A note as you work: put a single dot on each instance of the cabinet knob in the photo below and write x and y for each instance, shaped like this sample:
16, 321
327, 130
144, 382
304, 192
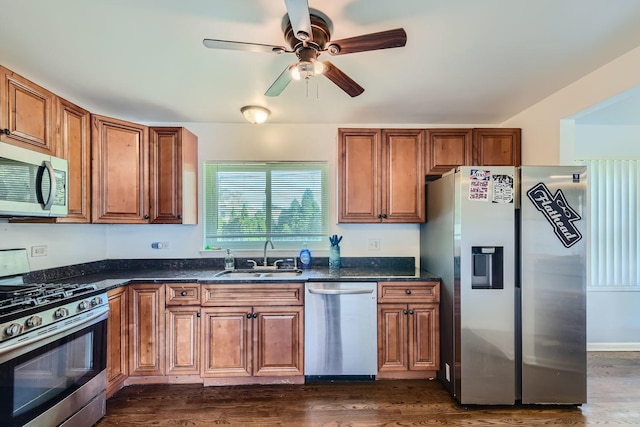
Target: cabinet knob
5, 131
255, 315
405, 311
379, 216
179, 216
408, 291
384, 215
410, 311
198, 314
248, 315
183, 293
146, 216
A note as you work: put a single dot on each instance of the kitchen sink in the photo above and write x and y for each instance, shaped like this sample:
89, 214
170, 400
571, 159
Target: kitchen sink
257, 274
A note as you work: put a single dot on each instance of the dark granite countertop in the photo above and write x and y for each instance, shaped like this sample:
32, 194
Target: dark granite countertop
114, 279
110, 274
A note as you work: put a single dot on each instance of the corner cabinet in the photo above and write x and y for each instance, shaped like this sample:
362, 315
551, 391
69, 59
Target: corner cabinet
252, 334
27, 113
120, 171
408, 330
381, 176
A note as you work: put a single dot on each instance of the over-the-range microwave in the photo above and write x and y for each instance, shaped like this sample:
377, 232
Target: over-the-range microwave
32, 183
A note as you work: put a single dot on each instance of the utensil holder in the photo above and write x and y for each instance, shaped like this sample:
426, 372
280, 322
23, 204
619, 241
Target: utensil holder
334, 257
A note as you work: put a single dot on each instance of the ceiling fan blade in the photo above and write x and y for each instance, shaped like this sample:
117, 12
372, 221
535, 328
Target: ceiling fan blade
374, 41
343, 81
252, 47
281, 82
298, 11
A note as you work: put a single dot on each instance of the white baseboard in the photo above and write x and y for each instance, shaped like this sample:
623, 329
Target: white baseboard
613, 346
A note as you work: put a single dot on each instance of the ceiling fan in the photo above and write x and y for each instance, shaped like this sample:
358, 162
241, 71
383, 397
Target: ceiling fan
308, 34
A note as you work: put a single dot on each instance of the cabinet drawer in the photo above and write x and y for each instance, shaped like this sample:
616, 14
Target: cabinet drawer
408, 291
182, 294
230, 295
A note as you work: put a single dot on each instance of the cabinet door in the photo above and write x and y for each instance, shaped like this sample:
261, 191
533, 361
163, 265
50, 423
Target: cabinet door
173, 158
424, 347
226, 345
447, 149
403, 176
120, 171
392, 337
117, 340
359, 175
146, 333
278, 341
183, 340
496, 147
27, 113
74, 145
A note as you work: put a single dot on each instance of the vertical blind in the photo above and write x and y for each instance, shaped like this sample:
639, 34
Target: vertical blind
280, 201
614, 246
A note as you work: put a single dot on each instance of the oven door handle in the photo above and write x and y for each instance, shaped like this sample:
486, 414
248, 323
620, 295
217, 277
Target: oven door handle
45, 336
322, 291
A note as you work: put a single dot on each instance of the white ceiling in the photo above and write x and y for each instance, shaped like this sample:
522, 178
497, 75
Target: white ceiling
465, 62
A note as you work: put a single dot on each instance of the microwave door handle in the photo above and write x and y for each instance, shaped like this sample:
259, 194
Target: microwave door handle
52, 186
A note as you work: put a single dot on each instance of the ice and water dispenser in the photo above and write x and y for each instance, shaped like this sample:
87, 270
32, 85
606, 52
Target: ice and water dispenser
488, 267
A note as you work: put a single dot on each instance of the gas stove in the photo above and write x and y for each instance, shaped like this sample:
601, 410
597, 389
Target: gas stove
29, 307
30, 310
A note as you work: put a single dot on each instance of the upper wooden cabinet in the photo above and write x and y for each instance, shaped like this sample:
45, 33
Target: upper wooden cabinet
449, 148
173, 183
381, 175
120, 171
496, 147
27, 113
74, 145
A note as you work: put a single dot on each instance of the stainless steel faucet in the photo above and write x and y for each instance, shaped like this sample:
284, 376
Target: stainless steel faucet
265, 251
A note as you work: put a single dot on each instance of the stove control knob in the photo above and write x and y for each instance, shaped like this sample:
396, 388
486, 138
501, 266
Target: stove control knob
96, 301
33, 321
13, 330
83, 305
60, 313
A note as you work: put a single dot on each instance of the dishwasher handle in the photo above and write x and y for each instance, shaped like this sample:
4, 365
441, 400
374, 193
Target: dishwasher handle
323, 291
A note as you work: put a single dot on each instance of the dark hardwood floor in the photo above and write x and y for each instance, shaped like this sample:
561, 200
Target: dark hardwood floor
613, 399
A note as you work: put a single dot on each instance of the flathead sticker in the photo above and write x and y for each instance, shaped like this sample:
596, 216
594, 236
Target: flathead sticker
557, 211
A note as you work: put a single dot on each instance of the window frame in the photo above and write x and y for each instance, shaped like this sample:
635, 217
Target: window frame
210, 240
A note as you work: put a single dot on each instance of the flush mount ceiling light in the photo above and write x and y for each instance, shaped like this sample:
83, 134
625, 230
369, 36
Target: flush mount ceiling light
255, 114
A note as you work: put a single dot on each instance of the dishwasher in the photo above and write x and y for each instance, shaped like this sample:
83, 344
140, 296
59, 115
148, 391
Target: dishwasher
340, 331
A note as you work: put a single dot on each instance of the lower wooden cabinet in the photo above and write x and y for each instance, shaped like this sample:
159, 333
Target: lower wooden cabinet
408, 331
117, 340
146, 333
182, 340
251, 344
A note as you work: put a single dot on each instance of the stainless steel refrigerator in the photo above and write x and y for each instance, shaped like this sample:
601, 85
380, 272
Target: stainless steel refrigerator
509, 245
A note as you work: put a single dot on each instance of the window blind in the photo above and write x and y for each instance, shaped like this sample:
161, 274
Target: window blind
614, 245
250, 202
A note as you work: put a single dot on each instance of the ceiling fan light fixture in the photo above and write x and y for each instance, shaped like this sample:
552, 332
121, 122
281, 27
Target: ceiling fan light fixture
255, 114
306, 69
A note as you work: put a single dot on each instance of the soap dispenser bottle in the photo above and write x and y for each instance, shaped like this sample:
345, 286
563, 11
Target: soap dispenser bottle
229, 261
305, 257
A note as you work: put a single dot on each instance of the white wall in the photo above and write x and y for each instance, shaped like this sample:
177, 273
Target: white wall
612, 319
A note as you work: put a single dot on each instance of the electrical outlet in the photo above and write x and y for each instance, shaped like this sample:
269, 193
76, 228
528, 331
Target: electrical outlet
160, 245
39, 250
374, 245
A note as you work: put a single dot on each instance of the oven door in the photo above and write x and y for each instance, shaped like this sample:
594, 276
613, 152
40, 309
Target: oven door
47, 381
